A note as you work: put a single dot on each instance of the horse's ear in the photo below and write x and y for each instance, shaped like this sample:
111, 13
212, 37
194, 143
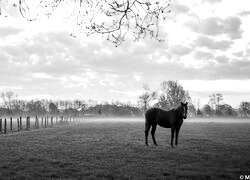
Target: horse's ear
186, 103
182, 103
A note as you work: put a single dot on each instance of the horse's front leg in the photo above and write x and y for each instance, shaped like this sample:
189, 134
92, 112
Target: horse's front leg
172, 136
176, 135
153, 133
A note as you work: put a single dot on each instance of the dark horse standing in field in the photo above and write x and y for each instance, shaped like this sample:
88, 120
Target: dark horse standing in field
168, 119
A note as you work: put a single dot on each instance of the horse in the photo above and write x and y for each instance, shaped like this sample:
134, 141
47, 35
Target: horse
168, 119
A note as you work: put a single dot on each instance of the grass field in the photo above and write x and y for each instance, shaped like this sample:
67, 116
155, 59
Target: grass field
116, 150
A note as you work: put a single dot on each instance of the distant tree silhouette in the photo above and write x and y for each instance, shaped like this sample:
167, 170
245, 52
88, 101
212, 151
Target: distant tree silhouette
207, 110
199, 113
146, 97
226, 110
19, 106
118, 109
215, 100
9, 99
191, 110
70, 112
244, 109
172, 94
80, 105
100, 111
53, 108
36, 107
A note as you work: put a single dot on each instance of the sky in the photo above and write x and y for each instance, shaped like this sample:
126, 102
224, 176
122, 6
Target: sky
206, 48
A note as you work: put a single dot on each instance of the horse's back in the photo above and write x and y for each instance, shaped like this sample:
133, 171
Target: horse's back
161, 117
166, 118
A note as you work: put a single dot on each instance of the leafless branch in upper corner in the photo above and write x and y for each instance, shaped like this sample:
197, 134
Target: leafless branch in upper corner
114, 18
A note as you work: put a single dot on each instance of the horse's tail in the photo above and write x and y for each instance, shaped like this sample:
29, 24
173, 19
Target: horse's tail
150, 119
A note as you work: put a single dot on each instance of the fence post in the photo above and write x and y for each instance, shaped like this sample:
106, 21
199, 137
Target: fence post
51, 121
42, 123
11, 124
37, 122
5, 126
27, 122
45, 122
21, 123
0, 125
18, 124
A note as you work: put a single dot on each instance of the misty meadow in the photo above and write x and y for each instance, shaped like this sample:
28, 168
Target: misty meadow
124, 89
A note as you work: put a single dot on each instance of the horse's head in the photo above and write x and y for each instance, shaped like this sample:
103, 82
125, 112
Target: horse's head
183, 109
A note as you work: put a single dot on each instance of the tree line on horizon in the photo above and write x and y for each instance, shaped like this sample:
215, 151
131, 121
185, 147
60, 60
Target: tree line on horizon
169, 95
12, 106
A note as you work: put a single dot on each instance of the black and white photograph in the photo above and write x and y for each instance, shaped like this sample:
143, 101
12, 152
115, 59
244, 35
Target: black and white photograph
124, 89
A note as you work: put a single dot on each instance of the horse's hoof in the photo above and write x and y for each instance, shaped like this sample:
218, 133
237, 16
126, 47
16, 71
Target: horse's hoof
146, 144
156, 144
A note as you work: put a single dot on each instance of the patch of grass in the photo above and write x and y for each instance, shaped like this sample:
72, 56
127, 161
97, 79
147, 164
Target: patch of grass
116, 150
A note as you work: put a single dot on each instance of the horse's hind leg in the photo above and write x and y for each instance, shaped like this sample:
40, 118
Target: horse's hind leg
153, 133
147, 128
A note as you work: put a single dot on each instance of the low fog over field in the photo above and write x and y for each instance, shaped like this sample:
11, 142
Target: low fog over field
116, 150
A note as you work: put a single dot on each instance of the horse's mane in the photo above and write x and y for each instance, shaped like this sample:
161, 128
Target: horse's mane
178, 108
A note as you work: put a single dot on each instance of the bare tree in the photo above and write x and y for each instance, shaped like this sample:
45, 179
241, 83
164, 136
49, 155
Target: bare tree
212, 101
80, 105
53, 109
36, 107
172, 94
146, 97
244, 109
9, 99
215, 100
115, 18
207, 110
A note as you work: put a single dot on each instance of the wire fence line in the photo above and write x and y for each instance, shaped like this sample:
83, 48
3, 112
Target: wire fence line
24, 123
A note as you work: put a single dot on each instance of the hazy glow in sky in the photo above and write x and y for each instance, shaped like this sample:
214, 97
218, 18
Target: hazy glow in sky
206, 48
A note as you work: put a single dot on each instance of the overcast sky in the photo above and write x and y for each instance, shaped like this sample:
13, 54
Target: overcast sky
206, 48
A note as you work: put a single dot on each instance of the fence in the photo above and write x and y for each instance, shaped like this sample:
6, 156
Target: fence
19, 123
